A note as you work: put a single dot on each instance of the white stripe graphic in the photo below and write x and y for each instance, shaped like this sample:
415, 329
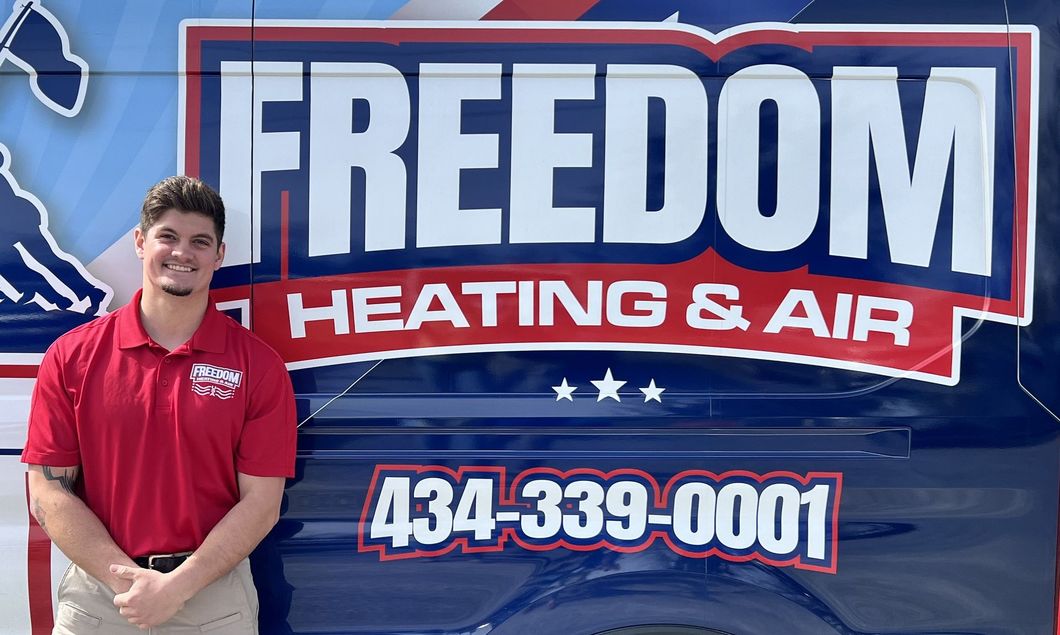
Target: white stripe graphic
14, 527
445, 9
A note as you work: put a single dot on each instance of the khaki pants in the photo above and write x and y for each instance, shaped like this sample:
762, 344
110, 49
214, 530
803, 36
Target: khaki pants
229, 606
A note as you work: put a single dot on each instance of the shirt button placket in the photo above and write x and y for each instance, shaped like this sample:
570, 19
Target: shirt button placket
164, 397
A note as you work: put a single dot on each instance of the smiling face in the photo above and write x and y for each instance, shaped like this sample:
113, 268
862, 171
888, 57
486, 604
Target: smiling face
180, 252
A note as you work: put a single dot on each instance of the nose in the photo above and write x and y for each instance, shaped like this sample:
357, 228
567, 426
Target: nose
180, 250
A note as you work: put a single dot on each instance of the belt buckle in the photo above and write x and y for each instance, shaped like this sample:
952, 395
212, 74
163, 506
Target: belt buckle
165, 556
151, 559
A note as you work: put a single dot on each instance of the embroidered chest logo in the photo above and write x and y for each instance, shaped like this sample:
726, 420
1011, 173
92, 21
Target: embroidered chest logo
215, 380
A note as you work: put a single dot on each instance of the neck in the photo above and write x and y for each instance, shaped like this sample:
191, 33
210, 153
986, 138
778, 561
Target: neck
171, 320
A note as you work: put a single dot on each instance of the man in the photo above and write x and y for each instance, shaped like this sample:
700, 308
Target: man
160, 437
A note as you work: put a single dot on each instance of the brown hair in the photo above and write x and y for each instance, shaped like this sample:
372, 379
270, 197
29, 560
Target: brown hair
185, 194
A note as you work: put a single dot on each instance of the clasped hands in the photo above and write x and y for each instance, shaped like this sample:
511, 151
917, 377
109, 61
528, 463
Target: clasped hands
151, 598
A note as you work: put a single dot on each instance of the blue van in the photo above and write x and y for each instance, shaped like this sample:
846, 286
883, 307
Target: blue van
603, 317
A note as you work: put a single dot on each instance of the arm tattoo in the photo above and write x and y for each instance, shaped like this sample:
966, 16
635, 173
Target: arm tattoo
65, 477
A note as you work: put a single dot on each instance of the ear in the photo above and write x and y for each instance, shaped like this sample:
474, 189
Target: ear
138, 242
220, 257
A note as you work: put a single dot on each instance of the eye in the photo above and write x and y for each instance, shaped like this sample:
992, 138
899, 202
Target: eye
202, 242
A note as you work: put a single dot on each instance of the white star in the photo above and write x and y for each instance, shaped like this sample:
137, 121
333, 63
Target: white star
563, 391
608, 387
651, 392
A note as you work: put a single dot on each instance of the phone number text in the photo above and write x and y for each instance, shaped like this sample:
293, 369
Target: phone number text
781, 518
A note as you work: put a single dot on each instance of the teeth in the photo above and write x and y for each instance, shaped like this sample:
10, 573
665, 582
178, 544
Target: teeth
180, 268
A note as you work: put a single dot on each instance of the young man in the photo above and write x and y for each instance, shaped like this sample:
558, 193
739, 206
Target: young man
160, 437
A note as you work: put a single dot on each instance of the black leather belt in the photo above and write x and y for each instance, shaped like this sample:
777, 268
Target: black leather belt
163, 563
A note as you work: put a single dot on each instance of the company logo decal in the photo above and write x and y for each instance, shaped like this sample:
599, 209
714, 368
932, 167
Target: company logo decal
780, 518
208, 380
837, 195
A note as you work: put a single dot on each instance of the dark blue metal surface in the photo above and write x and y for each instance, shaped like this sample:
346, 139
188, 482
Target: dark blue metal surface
948, 519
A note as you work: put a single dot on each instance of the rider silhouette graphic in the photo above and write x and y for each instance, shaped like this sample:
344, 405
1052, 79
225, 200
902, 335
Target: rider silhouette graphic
42, 287
34, 40
32, 267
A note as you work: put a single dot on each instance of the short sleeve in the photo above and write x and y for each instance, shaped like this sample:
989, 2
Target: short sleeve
267, 444
52, 438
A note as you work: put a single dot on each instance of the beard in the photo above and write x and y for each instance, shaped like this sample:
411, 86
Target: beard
173, 289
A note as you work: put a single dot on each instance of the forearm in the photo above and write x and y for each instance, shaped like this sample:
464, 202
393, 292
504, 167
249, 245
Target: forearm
227, 544
77, 531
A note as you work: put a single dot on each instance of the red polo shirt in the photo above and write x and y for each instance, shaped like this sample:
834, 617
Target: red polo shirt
159, 434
